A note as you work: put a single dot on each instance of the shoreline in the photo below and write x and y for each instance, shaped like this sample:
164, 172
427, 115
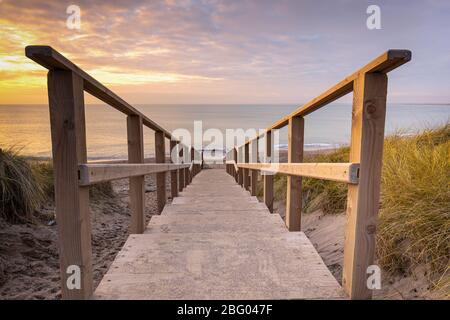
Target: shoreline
151, 159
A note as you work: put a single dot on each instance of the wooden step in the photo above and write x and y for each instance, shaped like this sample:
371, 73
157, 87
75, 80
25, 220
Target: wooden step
197, 223
219, 266
215, 241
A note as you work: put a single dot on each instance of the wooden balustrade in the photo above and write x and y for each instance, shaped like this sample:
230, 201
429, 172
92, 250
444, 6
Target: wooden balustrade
73, 174
362, 173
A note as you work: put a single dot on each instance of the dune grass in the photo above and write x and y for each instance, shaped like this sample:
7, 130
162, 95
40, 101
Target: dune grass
27, 184
414, 218
21, 191
415, 204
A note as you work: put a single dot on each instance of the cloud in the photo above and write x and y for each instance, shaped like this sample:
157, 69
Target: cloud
237, 49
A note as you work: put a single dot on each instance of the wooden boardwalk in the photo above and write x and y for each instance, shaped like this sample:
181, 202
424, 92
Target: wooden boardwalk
215, 241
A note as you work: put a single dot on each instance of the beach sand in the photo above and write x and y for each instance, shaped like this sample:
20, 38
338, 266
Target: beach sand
326, 232
29, 266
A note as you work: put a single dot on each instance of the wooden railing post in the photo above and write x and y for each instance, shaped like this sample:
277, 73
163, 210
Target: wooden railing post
241, 171
136, 184
68, 132
268, 178
195, 166
181, 171
160, 157
186, 170
202, 159
254, 173
173, 173
366, 148
246, 173
294, 183
235, 158
192, 172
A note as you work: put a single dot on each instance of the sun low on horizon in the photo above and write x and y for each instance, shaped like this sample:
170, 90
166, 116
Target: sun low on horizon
222, 51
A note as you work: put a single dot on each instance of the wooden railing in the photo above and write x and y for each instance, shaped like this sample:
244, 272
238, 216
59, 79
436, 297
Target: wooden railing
74, 175
362, 173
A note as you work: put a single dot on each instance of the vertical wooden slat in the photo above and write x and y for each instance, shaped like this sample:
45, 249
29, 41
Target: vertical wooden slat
366, 148
137, 184
173, 173
68, 132
268, 178
160, 157
246, 173
254, 173
294, 183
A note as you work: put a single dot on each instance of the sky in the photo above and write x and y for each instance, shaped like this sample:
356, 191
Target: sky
226, 51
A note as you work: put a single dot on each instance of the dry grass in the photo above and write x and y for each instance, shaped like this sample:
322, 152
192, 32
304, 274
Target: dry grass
21, 191
27, 184
414, 224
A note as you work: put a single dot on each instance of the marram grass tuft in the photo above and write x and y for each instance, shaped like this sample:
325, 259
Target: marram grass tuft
20, 190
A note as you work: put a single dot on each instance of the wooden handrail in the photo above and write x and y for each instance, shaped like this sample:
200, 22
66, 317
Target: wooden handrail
384, 63
73, 174
362, 173
341, 172
51, 59
90, 174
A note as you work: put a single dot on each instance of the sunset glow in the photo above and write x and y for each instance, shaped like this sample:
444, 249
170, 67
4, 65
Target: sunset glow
222, 51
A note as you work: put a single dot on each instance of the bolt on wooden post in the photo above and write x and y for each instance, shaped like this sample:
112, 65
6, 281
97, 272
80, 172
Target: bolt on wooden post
366, 148
68, 133
294, 183
160, 157
137, 184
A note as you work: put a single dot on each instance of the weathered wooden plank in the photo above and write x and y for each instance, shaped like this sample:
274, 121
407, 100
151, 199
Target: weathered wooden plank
341, 172
160, 157
294, 183
94, 173
68, 133
367, 136
137, 188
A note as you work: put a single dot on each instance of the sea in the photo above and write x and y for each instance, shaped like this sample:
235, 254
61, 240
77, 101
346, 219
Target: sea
26, 128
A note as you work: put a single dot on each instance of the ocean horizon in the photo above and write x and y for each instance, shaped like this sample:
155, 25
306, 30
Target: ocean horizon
326, 128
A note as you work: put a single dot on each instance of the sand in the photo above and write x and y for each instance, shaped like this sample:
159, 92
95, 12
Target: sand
326, 232
29, 266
